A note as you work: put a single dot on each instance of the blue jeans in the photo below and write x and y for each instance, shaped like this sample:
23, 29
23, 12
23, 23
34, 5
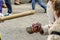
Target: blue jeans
40, 3
8, 3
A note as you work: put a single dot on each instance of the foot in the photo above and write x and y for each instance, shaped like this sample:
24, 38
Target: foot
17, 3
7, 14
4, 6
36, 27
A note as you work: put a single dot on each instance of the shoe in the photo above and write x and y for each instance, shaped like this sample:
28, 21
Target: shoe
1, 15
36, 27
7, 14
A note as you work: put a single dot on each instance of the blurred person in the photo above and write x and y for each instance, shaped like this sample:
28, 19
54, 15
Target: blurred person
40, 2
37, 27
9, 7
1, 3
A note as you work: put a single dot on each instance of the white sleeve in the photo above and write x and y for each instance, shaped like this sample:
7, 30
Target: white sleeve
46, 28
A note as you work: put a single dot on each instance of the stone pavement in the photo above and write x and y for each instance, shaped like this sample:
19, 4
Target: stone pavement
15, 29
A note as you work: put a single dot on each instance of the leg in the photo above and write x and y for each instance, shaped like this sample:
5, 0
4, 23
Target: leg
33, 4
8, 3
42, 4
1, 2
4, 5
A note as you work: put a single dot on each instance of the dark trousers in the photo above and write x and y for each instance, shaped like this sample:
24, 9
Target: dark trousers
8, 3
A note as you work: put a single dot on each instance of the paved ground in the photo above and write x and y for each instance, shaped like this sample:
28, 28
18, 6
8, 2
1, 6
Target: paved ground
26, 1
15, 29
